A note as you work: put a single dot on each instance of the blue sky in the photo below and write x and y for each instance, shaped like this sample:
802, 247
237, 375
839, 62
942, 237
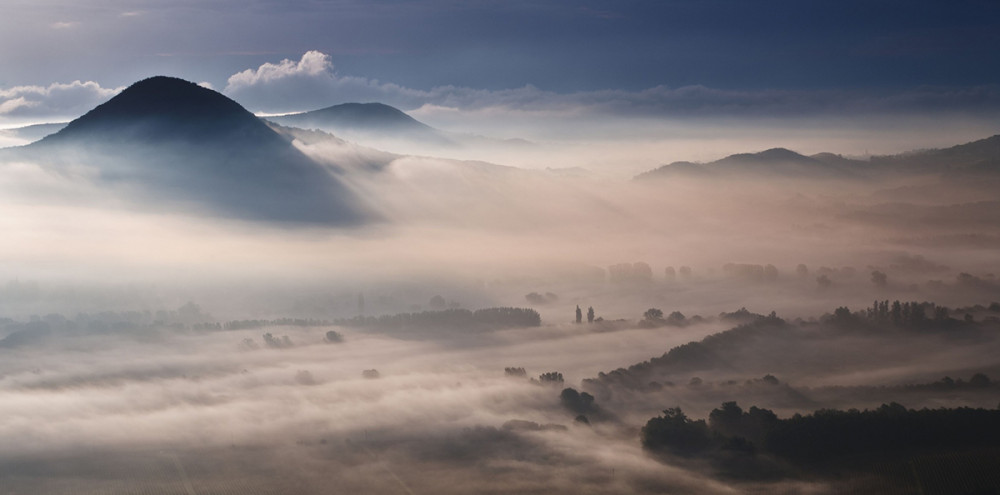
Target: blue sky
858, 49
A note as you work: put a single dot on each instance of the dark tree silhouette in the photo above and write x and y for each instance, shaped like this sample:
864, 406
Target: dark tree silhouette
674, 432
653, 314
437, 302
579, 314
580, 403
590, 314
880, 279
551, 377
802, 271
515, 372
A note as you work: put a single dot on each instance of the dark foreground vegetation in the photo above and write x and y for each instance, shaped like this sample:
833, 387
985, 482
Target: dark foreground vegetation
755, 444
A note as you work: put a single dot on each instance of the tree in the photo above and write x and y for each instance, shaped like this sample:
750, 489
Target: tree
334, 337
676, 318
802, 271
675, 433
437, 302
880, 279
979, 380
551, 377
590, 314
517, 372
770, 273
579, 314
653, 314
578, 402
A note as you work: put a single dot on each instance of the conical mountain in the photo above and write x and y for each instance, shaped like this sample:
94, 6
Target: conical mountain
186, 144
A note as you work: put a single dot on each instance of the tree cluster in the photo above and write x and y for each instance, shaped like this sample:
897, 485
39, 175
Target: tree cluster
751, 272
625, 273
824, 435
449, 319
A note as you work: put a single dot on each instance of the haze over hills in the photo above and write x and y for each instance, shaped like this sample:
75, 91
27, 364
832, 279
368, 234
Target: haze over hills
981, 156
185, 144
361, 116
336, 321
376, 119
34, 132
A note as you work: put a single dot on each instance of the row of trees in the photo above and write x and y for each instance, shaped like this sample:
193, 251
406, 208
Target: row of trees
449, 319
901, 314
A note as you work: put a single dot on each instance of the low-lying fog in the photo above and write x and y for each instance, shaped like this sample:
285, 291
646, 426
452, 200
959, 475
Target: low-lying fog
206, 409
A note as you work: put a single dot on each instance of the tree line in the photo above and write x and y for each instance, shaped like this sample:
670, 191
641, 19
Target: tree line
824, 435
449, 319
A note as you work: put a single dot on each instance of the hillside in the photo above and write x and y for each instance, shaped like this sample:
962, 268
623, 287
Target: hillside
186, 145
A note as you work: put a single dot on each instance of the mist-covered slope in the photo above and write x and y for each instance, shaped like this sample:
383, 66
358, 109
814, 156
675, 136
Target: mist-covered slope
175, 142
376, 119
34, 132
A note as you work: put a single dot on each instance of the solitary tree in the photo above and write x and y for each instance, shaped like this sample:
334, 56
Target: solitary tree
653, 314
579, 314
590, 314
880, 279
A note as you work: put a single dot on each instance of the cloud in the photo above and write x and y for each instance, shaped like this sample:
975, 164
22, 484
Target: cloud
56, 100
309, 83
312, 82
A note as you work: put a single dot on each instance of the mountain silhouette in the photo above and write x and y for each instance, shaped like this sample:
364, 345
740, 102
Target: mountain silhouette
775, 162
184, 144
974, 159
376, 119
367, 116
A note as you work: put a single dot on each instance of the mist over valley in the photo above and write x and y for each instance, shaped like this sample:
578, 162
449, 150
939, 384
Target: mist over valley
197, 299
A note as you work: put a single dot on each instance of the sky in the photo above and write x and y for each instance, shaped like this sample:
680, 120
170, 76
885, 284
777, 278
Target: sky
675, 58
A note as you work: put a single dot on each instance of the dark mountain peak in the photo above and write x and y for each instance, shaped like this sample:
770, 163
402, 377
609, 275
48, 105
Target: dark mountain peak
366, 117
168, 97
370, 113
171, 140
164, 108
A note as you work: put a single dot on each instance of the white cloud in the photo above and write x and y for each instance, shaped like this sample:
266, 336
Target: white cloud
313, 63
312, 82
56, 100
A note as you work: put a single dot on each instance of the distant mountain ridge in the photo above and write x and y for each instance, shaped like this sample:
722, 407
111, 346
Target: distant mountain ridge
981, 156
185, 144
368, 118
365, 116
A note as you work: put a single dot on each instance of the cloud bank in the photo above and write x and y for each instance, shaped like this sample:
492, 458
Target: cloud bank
313, 82
57, 100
